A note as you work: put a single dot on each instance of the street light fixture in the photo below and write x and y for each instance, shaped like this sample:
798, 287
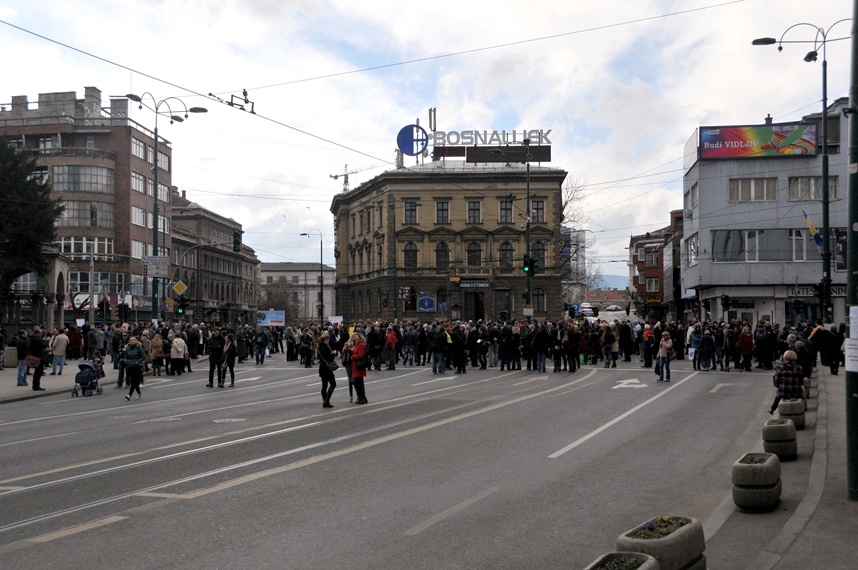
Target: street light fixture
173, 118
812, 56
321, 276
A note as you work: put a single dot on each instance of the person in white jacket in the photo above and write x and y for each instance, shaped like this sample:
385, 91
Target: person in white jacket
178, 354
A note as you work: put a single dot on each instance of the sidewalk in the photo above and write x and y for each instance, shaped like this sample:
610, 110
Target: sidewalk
63, 384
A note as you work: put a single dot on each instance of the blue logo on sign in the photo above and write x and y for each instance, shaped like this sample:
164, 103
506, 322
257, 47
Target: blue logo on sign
412, 140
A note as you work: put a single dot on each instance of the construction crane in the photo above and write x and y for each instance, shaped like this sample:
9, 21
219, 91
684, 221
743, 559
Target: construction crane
346, 172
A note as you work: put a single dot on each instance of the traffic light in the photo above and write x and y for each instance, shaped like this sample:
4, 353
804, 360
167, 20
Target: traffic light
528, 264
707, 304
817, 290
182, 306
725, 302
236, 242
798, 307
104, 309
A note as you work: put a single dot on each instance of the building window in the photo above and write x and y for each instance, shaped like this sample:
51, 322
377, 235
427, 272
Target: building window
810, 188
692, 249
150, 155
641, 254
538, 300
652, 259
441, 299
137, 284
474, 212
442, 256
411, 300
354, 228
652, 285
410, 256
163, 162
692, 197
74, 178
79, 247
138, 249
163, 192
107, 282
538, 211
442, 212
294, 280
138, 216
537, 252
49, 145
410, 212
753, 189
138, 182
505, 212
138, 149
87, 214
506, 255
150, 187
475, 254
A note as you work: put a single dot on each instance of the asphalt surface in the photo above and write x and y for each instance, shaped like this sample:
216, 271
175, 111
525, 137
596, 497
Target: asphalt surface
811, 528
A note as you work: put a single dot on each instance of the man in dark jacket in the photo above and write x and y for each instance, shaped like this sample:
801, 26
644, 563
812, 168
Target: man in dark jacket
215, 350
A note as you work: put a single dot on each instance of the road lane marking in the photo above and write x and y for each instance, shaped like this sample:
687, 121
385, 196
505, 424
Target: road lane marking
76, 529
719, 386
618, 419
39, 438
630, 383
450, 512
374, 442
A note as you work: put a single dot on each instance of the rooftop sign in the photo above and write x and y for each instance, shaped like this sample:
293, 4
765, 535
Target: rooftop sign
758, 141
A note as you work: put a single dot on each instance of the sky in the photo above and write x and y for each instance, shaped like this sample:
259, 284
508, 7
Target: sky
622, 85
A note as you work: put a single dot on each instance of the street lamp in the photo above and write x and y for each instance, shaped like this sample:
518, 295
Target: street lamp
173, 118
528, 215
812, 56
321, 276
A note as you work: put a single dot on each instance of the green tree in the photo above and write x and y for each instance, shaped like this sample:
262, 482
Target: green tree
29, 216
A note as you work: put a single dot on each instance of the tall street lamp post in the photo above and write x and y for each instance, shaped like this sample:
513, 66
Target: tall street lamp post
812, 56
528, 214
155, 222
321, 276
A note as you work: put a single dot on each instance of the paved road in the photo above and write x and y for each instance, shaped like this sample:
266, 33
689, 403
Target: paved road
484, 470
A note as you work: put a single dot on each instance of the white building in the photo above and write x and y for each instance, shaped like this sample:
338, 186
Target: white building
297, 289
749, 193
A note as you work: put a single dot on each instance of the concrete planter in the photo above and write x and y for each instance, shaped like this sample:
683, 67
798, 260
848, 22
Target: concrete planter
680, 550
604, 561
757, 486
792, 410
779, 438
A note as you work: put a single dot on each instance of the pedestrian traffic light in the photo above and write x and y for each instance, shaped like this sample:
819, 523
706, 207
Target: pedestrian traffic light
236, 242
798, 307
725, 302
528, 264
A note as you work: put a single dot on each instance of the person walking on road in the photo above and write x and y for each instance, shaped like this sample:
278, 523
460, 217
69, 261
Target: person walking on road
230, 352
359, 365
214, 347
329, 382
134, 360
665, 354
178, 352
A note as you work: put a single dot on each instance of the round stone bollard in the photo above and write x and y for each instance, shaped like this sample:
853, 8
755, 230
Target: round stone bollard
756, 481
779, 438
615, 559
792, 410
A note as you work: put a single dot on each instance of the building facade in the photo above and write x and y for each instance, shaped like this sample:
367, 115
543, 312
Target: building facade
222, 284
295, 288
748, 223
446, 240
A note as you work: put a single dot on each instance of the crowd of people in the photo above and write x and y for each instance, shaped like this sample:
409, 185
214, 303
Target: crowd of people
565, 346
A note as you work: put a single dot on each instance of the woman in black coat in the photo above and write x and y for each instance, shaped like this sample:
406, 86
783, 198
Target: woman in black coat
326, 356
230, 351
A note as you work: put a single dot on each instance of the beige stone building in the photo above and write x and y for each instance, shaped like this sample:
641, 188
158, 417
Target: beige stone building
446, 240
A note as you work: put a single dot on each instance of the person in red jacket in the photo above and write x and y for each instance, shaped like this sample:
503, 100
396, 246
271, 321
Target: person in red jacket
746, 348
359, 365
390, 341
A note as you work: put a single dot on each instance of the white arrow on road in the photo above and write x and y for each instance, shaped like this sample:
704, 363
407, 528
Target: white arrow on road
717, 386
631, 383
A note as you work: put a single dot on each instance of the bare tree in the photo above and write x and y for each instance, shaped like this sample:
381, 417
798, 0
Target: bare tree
578, 271
281, 295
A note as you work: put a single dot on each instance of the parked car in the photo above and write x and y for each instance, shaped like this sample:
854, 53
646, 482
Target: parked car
614, 308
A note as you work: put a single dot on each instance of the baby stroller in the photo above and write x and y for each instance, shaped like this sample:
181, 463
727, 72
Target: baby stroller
86, 381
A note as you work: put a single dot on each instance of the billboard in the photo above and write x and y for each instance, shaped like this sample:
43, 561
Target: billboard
758, 141
271, 318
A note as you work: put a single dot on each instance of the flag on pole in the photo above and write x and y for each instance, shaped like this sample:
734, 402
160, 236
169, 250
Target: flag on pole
817, 237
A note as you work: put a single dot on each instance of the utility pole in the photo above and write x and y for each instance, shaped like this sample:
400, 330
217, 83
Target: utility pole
852, 274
